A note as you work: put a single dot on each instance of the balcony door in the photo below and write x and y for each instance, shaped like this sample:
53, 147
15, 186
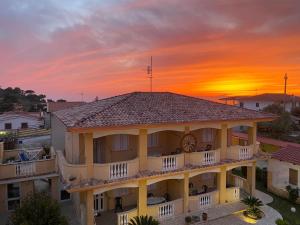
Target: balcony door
99, 150
99, 203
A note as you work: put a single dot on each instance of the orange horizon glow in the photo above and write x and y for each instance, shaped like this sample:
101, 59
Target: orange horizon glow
211, 49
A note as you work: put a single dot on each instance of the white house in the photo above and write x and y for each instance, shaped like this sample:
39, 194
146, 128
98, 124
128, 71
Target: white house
20, 120
284, 170
259, 102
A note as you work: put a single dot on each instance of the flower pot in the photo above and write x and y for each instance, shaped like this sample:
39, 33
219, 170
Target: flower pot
204, 216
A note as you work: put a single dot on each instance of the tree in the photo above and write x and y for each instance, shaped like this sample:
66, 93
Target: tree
38, 209
143, 220
253, 207
281, 222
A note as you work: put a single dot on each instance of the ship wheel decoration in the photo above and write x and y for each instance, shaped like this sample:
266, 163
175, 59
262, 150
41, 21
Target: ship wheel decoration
188, 143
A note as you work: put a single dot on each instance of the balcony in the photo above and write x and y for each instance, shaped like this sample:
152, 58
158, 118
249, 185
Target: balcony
237, 152
203, 158
13, 167
166, 210
125, 217
166, 163
116, 170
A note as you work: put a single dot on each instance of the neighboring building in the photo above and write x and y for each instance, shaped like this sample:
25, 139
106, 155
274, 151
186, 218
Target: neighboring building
20, 120
259, 102
161, 154
56, 106
284, 170
19, 177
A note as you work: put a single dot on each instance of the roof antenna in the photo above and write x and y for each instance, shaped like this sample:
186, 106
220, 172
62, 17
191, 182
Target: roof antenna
149, 72
285, 82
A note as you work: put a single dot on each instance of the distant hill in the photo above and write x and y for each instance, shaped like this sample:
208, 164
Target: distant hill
17, 99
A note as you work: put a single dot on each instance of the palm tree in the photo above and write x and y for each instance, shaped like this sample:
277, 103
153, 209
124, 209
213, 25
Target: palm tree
253, 209
143, 220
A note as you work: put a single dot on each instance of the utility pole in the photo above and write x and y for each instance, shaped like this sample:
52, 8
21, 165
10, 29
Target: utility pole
285, 82
149, 72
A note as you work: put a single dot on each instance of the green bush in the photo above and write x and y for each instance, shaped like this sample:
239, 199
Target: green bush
293, 193
281, 222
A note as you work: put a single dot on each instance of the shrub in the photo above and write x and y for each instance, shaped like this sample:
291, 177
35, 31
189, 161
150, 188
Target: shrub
293, 193
281, 222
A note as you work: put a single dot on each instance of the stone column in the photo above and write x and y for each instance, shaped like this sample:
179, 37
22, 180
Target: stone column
142, 151
185, 193
142, 198
223, 141
88, 152
251, 175
221, 183
252, 135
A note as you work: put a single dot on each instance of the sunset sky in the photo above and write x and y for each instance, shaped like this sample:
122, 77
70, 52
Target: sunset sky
207, 48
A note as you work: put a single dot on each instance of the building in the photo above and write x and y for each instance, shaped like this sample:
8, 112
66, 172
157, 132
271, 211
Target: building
259, 102
23, 172
20, 120
284, 170
56, 106
161, 154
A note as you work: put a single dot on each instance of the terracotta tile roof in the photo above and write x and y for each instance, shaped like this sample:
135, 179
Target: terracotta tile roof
55, 106
269, 97
143, 108
289, 154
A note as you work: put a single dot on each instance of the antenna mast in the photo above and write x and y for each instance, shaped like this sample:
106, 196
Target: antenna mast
149, 72
285, 82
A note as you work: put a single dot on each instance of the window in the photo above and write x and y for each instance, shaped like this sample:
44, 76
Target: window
257, 104
7, 126
13, 196
120, 142
293, 177
64, 195
153, 140
207, 135
242, 104
24, 125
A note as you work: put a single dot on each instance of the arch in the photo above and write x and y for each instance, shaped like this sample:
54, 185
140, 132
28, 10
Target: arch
98, 134
105, 189
156, 180
193, 174
240, 123
238, 165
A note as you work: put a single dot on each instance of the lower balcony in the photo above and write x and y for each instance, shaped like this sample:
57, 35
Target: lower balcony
237, 152
166, 163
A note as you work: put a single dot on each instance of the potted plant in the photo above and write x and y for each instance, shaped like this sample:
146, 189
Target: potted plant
188, 220
204, 216
47, 152
253, 211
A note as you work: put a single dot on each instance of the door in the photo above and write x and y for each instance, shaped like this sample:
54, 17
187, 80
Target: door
99, 203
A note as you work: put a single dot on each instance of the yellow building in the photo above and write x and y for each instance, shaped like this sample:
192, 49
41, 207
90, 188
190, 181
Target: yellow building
158, 154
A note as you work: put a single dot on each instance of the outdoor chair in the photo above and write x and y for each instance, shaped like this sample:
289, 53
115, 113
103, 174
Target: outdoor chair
118, 204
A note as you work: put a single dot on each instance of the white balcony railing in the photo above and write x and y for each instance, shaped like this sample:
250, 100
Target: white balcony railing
166, 210
204, 201
125, 217
118, 170
238, 152
25, 169
203, 158
165, 163
233, 194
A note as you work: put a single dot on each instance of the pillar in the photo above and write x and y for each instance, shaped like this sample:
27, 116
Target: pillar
1, 151
185, 193
54, 188
87, 207
251, 177
252, 135
221, 183
223, 141
88, 152
142, 198
142, 151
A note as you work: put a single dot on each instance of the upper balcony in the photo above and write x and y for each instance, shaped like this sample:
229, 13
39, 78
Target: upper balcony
123, 154
26, 163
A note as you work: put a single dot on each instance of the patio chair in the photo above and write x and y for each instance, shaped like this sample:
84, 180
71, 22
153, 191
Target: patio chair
150, 195
167, 197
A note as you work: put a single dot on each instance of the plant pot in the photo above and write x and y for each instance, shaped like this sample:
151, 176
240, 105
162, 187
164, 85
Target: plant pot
204, 216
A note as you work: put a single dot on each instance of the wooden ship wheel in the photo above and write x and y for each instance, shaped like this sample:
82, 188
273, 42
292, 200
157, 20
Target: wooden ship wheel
188, 143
